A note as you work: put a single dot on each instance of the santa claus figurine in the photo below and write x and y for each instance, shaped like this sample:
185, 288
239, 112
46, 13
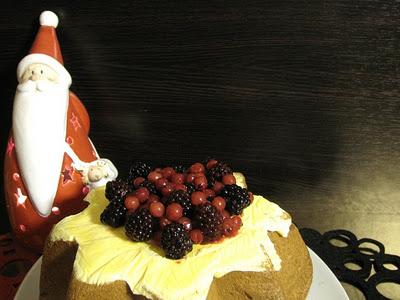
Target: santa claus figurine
50, 162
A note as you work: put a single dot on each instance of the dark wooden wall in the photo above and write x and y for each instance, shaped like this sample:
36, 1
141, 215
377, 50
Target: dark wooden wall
301, 96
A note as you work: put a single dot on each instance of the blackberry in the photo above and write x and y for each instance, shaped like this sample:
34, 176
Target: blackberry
216, 173
182, 198
236, 198
117, 189
114, 214
179, 169
150, 186
190, 188
139, 169
209, 220
175, 241
140, 225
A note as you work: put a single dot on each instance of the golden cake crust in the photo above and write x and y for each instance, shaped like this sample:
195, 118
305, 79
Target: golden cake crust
57, 280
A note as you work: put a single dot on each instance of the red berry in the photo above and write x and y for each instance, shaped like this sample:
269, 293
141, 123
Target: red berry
178, 178
167, 172
219, 203
163, 222
132, 202
161, 182
228, 228
198, 198
138, 181
197, 168
237, 222
228, 179
211, 164
157, 209
251, 197
190, 177
154, 176
153, 198
142, 194
180, 187
165, 191
174, 212
196, 236
186, 223
225, 214
217, 187
200, 183
209, 193
158, 170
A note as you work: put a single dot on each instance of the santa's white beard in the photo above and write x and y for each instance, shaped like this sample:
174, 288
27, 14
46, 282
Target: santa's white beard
39, 129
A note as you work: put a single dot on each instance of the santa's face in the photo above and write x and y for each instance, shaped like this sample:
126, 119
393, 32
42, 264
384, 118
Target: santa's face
39, 128
37, 72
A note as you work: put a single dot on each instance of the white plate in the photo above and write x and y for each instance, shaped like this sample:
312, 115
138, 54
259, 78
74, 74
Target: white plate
324, 284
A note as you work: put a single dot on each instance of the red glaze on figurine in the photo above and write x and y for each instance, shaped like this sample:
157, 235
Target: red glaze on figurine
48, 150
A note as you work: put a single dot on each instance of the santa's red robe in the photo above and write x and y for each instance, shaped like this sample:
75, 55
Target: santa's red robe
29, 227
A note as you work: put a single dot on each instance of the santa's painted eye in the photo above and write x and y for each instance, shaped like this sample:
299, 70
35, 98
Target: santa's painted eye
41, 71
33, 72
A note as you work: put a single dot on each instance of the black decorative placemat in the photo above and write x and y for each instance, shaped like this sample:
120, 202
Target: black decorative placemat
357, 252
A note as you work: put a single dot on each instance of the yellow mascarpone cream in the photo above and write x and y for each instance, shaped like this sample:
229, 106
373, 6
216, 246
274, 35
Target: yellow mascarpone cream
105, 254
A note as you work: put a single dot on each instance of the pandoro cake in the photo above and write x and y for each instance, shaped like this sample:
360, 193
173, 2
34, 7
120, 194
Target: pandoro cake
265, 259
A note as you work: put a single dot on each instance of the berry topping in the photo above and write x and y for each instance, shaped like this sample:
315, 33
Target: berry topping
219, 203
154, 176
161, 182
228, 179
217, 187
142, 194
197, 168
116, 190
178, 178
167, 172
140, 225
157, 209
190, 177
176, 207
150, 186
138, 181
186, 222
139, 169
236, 198
175, 241
131, 202
228, 228
211, 164
216, 173
174, 211
209, 220
183, 199
198, 198
200, 182
196, 236
113, 214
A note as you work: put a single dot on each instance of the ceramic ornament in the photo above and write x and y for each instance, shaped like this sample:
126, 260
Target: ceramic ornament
50, 162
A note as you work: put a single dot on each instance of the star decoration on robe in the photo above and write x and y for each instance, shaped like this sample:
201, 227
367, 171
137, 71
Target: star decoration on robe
10, 146
75, 122
21, 198
67, 175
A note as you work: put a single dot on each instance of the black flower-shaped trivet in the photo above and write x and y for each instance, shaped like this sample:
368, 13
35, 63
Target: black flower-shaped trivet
354, 252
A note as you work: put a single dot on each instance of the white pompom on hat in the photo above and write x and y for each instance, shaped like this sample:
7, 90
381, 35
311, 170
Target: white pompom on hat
48, 18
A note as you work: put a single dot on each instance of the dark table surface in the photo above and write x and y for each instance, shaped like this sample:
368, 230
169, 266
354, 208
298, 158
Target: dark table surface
301, 96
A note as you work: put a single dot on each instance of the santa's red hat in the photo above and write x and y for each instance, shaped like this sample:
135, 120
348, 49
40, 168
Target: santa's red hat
45, 48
